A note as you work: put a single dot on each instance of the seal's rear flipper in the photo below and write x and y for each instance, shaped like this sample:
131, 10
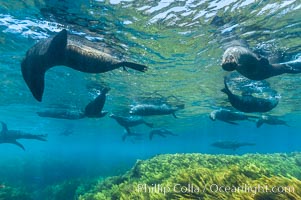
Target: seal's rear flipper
41, 137
18, 144
44, 55
174, 114
135, 66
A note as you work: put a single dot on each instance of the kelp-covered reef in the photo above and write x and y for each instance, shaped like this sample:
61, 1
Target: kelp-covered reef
203, 176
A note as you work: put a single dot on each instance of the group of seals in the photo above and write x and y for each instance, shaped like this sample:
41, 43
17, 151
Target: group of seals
64, 49
68, 50
11, 136
254, 69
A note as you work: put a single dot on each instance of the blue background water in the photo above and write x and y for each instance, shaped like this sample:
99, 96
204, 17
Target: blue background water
182, 47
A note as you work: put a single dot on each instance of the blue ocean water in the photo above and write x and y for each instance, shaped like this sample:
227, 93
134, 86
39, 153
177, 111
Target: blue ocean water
181, 42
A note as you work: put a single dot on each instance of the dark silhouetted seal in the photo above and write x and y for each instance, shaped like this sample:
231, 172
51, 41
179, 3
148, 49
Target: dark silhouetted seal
272, 120
153, 109
62, 114
229, 116
248, 103
68, 50
92, 110
254, 66
231, 144
11, 136
128, 122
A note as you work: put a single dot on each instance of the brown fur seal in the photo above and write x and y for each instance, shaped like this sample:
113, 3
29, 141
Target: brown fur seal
272, 120
11, 136
63, 49
229, 116
248, 103
254, 66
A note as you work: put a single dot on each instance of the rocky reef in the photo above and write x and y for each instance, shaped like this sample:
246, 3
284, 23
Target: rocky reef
8, 192
203, 176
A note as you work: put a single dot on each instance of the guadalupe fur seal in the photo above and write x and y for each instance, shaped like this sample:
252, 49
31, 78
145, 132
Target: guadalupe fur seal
62, 114
253, 66
128, 122
63, 49
272, 120
152, 109
11, 136
231, 144
229, 116
92, 110
248, 103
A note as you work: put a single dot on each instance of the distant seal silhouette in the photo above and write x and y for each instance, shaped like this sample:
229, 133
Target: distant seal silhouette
231, 144
153, 109
248, 103
272, 120
11, 136
128, 122
63, 49
229, 116
253, 66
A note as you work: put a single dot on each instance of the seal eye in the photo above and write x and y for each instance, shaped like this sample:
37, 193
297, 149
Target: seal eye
229, 66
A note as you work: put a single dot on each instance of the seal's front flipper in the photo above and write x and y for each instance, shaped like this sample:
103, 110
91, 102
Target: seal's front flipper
259, 123
135, 66
44, 55
18, 144
4, 128
174, 114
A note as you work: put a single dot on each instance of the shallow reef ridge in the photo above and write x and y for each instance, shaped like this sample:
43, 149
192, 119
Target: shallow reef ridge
203, 176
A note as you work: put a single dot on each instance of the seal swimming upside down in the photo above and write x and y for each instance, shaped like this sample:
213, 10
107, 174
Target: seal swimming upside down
70, 51
253, 66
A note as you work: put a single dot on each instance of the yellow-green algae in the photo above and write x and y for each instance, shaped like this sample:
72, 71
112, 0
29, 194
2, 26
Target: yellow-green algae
8, 192
202, 170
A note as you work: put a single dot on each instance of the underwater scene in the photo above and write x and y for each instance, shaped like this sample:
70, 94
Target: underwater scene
163, 99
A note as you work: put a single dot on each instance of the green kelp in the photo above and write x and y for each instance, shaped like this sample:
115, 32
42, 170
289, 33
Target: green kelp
203, 176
